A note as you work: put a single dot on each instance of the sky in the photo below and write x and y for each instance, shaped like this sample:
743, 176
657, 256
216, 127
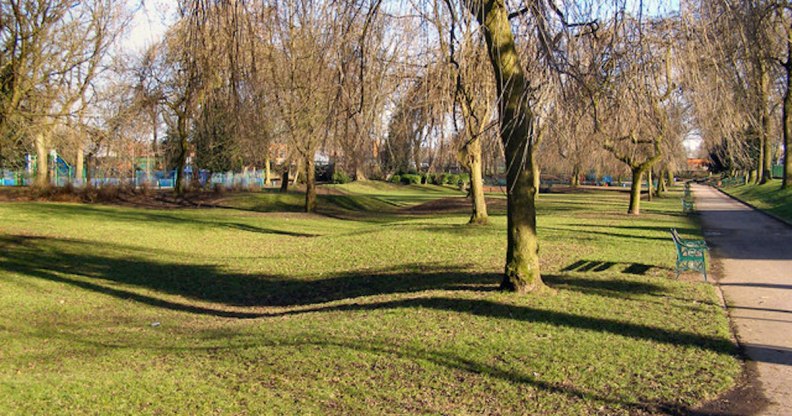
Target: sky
149, 23
152, 18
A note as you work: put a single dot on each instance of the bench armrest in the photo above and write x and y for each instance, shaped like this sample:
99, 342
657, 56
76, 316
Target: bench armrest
693, 243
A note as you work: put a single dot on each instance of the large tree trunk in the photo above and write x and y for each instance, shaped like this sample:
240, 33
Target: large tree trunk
661, 183
284, 186
473, 155
42, 162
575, 180
310, 183
517, 134
78, 166
766, 153
267, 172
297, 168
155, 133
787, 118
752, 176
635, 191
360, 175
181, 160
89, 168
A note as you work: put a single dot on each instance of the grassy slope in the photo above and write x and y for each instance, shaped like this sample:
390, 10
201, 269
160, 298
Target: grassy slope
291, 313
768, 197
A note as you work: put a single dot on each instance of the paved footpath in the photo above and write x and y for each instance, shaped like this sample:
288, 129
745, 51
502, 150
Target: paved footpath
755, 256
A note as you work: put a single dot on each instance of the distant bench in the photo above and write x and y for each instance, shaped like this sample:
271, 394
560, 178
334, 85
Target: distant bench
691, 255
687, 206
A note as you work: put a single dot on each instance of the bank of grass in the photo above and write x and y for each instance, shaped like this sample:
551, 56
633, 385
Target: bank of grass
368, 197
113, 310
768, 197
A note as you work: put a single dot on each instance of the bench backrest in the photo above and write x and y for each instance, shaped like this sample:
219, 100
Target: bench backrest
677, 241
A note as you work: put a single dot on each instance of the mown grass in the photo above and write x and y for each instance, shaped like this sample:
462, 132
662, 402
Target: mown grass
768, 197
115, 310
372, 198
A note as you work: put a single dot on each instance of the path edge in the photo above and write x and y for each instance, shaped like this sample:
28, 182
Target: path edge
747, 383
786, 222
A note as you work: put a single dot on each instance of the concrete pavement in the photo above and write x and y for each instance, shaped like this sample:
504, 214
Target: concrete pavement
754, 256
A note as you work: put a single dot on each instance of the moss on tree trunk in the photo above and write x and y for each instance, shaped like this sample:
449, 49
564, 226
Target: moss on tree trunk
517, 134
635, 191
473, 157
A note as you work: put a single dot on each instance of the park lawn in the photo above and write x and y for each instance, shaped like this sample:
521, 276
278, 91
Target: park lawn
117, 310
371, 197
768, 197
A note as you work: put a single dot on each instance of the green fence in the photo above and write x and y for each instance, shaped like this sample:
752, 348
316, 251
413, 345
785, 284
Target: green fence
778, 171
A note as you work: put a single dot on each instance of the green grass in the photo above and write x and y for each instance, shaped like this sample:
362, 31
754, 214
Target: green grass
371, 197
286, 313
768, 197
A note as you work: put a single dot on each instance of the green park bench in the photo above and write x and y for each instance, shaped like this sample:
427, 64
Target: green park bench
687, 206
691, 255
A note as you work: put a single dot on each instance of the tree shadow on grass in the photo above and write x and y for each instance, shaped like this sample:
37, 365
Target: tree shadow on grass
503, 372
496, 310
67, 262
220, 340
53, 258
682, 231
621, 289
573, 229
157, 217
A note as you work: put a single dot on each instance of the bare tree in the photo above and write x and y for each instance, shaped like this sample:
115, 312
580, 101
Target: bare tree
52, 51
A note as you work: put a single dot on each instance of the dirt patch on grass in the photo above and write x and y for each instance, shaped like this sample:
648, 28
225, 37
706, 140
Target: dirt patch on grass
744, 399
138, 198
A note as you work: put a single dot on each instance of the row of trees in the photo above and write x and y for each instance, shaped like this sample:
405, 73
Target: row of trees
738, 73
380, 87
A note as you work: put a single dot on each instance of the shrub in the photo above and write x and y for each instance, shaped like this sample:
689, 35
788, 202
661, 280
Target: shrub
396, 179
341, 177
108, 193
410, 179
89, 193
68, 189
145, 188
